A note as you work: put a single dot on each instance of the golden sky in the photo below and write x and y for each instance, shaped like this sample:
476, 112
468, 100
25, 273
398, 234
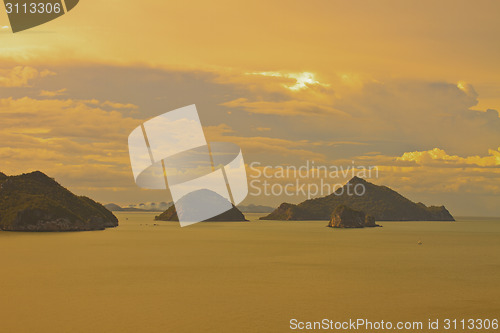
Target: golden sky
410, 86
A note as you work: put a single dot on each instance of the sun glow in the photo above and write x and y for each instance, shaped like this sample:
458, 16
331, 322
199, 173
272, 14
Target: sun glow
462, 85
302, 80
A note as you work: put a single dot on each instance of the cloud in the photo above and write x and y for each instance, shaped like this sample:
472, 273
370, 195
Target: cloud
20, 76
302, 80
79, 144
438, 157
52, 93
401, 113
261, 146
435, 171
118, 106
393, 123
284, 108
61, 118
339, 143
427, 180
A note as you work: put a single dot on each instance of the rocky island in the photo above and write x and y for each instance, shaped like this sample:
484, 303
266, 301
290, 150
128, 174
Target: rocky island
345, 217
205, 198
381, 202
36, 202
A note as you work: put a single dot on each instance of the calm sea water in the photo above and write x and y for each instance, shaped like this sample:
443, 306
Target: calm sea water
147, 276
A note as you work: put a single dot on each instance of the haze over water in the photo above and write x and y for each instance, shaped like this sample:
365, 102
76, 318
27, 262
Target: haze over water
246, 277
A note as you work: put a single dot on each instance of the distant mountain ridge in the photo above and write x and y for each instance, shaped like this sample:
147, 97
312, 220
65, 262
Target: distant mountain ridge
255, 208
381, 202
143, 207
36, 202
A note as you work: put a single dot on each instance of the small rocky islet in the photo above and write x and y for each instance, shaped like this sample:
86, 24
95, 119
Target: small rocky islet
345, 217
35, 202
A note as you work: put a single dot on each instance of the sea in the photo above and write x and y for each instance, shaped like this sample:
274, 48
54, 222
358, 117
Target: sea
257, 276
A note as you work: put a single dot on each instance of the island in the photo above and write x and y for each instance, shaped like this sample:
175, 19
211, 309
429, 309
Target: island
345, 217
35, 202
203, 198
381, 202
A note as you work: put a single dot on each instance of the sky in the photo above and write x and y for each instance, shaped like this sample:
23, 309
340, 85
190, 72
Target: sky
411, 87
